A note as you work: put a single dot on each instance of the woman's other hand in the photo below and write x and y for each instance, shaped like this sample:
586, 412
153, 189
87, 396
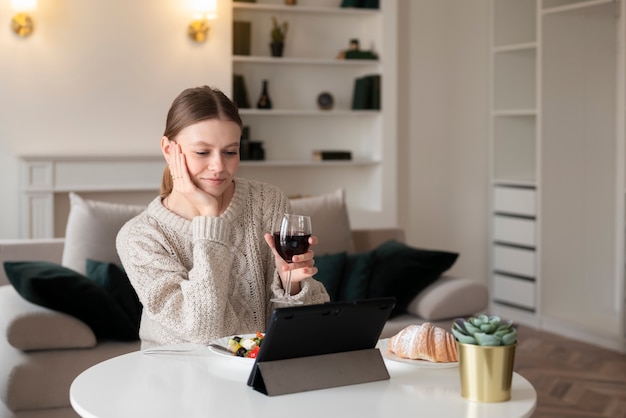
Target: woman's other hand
302, 267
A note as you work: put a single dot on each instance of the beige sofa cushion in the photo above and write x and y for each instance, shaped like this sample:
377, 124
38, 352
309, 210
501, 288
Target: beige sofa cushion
450, 297
31, 327
91, 230
330, 222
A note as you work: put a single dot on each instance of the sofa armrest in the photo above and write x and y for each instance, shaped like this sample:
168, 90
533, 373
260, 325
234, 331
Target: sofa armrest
27, 326
369, 239
40, 249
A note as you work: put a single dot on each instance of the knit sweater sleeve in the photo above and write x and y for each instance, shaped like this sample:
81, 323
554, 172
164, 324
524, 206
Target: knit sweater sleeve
191, 304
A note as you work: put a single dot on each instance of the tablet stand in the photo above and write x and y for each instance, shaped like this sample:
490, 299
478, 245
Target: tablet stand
280, 377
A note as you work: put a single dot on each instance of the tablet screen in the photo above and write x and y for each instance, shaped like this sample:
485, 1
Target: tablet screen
309, 330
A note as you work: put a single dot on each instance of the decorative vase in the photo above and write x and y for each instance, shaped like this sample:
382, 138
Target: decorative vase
486, 372
264, 101
276, 49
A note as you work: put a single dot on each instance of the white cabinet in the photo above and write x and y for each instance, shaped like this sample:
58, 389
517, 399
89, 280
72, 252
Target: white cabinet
296, 126
515, 231
558, 166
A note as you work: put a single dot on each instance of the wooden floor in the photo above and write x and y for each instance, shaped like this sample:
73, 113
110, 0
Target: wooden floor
572, 379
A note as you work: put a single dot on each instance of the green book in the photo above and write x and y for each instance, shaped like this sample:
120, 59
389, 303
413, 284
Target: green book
351, 3
240, 93
375, 91
361, 97
361, 55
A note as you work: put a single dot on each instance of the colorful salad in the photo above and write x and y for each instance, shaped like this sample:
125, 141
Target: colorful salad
245, 346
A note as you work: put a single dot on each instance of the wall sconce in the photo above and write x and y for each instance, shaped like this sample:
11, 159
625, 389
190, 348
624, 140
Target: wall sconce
22, 24
204, 10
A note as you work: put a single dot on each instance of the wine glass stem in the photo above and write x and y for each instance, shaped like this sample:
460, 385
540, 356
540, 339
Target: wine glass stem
288, 285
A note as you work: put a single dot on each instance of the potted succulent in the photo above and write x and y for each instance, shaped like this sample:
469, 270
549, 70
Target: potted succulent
486, 347
278, 33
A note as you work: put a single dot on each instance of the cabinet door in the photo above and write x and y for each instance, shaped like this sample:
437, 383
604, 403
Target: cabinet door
514, 291
513, 230
514, 200
517, 261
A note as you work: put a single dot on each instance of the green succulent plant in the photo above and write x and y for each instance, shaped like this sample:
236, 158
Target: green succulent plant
485, 330
279, 30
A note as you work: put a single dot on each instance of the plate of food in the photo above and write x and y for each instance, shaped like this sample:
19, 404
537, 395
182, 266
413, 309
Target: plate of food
243, 346
423, 345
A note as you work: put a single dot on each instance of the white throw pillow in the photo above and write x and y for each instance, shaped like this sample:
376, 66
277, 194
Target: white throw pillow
329, 219
92, 227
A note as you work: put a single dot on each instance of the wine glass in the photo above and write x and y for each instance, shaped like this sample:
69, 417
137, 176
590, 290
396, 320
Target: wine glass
292, 239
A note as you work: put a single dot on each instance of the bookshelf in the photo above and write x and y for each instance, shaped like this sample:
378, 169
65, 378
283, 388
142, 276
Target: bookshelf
295, 127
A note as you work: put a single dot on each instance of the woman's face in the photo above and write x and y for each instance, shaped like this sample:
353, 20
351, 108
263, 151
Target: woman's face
211, 149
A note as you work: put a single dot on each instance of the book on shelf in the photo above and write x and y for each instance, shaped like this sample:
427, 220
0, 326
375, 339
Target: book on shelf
366, 94
329, 155
360, 95
363, 4
240, 93
241, 37
375, 92
360, 55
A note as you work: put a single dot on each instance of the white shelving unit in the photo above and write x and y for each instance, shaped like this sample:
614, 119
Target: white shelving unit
558, 167
295, 126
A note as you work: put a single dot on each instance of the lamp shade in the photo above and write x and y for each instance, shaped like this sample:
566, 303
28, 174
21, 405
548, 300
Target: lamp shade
24, 5
207, 9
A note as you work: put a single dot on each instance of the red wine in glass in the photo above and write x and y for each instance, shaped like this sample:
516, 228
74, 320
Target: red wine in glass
291, 245
292, 239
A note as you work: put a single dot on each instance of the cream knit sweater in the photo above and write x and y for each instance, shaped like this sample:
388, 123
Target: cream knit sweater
209, 277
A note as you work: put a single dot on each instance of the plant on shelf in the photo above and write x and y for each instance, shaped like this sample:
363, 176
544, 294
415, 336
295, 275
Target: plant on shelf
485, 330
279, 30
278, 34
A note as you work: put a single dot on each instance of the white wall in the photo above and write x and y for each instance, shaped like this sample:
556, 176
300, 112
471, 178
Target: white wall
444, 137
97, 77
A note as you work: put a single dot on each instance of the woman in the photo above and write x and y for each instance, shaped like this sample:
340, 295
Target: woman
196, 255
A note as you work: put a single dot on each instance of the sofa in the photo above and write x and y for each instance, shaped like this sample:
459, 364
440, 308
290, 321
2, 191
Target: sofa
42, 350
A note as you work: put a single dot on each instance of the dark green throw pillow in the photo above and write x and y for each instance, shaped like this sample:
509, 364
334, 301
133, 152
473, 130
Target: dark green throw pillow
356, 276
112, 278
403, 271
330, 272
64, 290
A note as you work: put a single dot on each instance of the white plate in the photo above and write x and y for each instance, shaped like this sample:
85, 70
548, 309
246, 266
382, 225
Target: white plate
224, 343
384, 350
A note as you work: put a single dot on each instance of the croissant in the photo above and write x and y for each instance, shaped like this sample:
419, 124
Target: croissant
424, 342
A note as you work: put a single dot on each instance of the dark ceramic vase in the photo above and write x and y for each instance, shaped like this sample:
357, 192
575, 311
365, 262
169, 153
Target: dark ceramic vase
277, 49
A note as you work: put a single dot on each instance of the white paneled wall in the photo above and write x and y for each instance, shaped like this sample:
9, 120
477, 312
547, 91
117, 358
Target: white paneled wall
97, 78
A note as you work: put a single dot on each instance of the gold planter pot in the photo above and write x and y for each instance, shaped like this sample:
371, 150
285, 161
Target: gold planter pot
486, 372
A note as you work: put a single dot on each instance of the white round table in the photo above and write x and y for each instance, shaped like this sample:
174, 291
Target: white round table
202, 383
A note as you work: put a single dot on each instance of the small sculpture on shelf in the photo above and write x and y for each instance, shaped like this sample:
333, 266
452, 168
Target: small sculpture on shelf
354, 52
278, 34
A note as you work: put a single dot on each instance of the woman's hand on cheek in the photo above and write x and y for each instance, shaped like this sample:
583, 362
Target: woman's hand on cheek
203, 203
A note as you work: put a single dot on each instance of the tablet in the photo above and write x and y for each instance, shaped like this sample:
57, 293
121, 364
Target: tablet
333, 327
